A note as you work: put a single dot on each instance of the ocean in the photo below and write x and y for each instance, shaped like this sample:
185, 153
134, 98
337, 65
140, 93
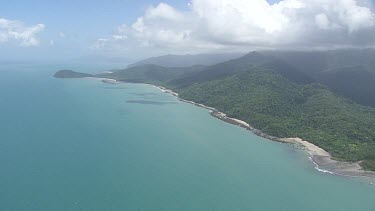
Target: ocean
81, 144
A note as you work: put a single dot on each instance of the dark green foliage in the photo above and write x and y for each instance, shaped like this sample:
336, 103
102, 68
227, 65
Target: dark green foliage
368, 164
355, 82
350, 73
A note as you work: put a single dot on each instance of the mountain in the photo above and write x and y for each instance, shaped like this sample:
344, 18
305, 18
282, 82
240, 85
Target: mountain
312, 62
188, 60
350, 72
235, 66
152, 74
276, 97
354, 82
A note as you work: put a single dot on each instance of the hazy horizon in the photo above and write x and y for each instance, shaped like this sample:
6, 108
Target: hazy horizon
131, 31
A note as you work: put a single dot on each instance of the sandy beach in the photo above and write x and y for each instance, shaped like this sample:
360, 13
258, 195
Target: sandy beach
311, 148
324, 162
163, 89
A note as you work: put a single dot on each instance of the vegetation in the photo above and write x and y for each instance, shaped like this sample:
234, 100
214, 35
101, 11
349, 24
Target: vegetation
350, 73
369, 164
355, 82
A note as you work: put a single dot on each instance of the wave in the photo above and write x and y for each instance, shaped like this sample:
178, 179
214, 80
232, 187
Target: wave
321, 170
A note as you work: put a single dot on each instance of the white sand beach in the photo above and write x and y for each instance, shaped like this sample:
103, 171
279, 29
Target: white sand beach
311, 148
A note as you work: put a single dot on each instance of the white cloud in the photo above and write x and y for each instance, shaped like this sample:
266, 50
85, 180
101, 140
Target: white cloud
13, 30
243, 24
62, 35
322, 21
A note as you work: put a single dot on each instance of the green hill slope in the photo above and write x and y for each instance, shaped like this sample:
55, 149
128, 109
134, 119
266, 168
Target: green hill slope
354, 82
349, 72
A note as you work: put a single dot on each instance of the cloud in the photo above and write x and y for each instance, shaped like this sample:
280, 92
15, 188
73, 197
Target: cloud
322, 21
211, 25
13, 30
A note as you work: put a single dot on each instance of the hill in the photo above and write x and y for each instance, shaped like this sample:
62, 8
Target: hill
151, 74
251, 60
350, 72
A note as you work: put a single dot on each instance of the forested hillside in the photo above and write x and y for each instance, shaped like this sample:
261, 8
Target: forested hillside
350, 72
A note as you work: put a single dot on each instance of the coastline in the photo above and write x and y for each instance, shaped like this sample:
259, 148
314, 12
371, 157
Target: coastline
322, 159
105, 80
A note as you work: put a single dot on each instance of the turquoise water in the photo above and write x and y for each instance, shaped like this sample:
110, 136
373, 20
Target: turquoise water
85, 145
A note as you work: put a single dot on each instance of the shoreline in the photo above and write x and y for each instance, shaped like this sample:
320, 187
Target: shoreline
106, 80
322, 159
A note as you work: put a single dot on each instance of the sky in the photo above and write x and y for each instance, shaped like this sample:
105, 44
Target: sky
124, 29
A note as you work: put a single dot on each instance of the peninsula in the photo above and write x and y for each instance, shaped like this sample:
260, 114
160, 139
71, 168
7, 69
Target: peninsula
71, 74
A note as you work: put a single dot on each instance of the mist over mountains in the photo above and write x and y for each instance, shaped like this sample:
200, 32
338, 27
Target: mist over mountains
188, 60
